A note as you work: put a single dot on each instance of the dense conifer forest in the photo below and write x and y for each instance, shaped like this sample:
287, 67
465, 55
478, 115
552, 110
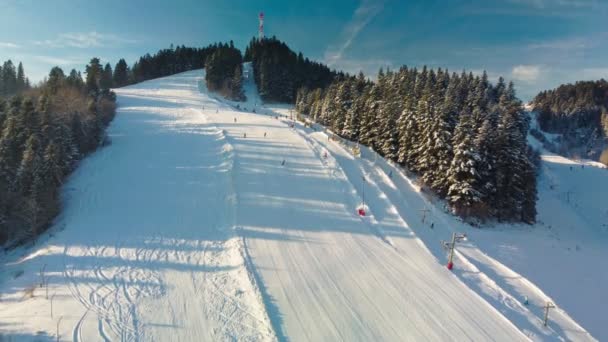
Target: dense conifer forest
224, 71
463, 136
44, 132
279, 72
579, 113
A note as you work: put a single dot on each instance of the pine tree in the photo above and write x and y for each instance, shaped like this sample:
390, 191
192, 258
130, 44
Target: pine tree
30, 162
2, 115
528, 213
462, 175
407, 127
94, 72
74, 80
388, 135
485, 143
425, 111
8, 78
27, 121
105, 81
452, 102
21, 84
121, 73
438, 154
369, 126
55, 80
511, 163
329, 105
302, 101
350, 130
343, 102
237, 84
10, 151
388, 112
54, 164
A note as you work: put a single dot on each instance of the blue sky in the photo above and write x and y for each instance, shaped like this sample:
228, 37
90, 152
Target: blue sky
536, 43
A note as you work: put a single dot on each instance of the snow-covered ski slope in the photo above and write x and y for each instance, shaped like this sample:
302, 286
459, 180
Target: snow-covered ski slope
194, 226
146, 248
563, 253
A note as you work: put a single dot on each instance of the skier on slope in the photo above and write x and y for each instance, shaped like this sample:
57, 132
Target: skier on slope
264, 134
244, 135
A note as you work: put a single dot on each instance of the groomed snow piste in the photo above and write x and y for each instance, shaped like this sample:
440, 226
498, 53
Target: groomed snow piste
201, 222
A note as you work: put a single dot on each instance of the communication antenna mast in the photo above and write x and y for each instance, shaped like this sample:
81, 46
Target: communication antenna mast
261, 28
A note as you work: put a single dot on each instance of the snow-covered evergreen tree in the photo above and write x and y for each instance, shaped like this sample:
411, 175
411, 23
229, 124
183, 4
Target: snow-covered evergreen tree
463, 175
407, 127
387, 114
30, 162
350, 130
485, 143
425, 112
329, 106
511, 164
343, 102
369, 126
439, 152
388, 137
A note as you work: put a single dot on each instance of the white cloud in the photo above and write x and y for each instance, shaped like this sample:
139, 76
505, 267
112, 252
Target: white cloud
545, 8
6, 45
533, 3
543, 4
366, 11
56, 61
562, 44
526, 73
594, 73
84, 40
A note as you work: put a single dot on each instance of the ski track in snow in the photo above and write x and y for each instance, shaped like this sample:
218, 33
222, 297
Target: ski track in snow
185, 229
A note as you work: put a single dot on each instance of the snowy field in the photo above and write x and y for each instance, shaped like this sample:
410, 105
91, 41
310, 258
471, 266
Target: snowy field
201, 222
